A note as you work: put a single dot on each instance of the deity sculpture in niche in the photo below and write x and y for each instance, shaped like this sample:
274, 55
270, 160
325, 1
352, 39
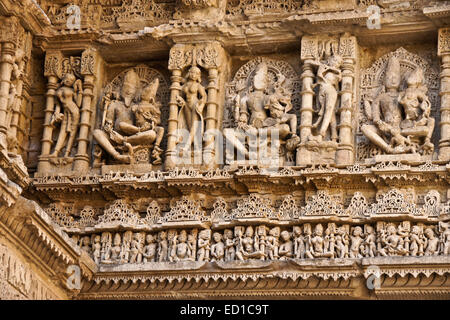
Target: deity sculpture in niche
70, 95
131, 128
328, 78
398, 111
260, 107
192, 107
328, 93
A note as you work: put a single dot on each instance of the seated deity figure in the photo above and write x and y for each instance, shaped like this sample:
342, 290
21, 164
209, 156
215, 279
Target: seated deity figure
390, 131
119, 131
258, 113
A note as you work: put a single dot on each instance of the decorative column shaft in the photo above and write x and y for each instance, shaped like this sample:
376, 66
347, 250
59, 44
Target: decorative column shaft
211, 117
444, 54
88, 70
308, 54
345, 153
52, 72
10, 32
176, 66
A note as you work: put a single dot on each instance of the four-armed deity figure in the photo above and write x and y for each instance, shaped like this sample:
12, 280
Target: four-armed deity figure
261, 113
391, 131
125, 125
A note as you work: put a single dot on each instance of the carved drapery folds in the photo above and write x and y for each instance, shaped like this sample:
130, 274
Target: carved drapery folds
328, 97
70, 92
195, 106
398, 99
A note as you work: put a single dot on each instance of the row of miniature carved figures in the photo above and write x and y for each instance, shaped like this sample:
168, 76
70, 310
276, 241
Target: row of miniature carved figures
264, 243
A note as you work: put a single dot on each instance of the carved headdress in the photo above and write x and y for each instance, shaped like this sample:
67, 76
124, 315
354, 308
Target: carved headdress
149, 92
393, 76
260, 79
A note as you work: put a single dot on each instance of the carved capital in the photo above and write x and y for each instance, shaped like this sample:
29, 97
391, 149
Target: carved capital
309, 49
180, 57
89, 59
208, 56
10, 30
348, 47
53, 64
444, 41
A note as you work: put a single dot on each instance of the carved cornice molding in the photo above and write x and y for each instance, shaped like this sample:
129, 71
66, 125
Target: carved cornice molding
31, 230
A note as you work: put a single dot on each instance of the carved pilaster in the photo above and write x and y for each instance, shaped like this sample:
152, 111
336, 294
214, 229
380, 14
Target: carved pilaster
52, 70
10, 33
444, 54
345, 153
89, 60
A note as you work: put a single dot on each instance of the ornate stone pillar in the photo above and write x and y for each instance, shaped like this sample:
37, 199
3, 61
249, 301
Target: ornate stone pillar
211, 57
177, 62
24, 66
345, 153
52, 71
89, 59
444, 54
308, 54
10, 33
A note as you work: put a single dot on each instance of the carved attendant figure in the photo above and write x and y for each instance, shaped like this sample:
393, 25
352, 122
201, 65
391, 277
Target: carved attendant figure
286, 247
191, 108
218, 248
204, 242
230, 252
150, 249
70, 96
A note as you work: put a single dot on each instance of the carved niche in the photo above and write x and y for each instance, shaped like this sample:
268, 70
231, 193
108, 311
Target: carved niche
328, 95
133, 119
399, 105
262, 102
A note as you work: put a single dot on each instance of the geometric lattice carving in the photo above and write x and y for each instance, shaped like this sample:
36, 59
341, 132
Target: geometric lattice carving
254, 206
185, 210
220, 212
358, 207
288, 209
62, 216
153, 214
322, 204
119, 212
87, 217
394, 202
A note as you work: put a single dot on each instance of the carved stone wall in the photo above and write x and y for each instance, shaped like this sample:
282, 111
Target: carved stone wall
302, 146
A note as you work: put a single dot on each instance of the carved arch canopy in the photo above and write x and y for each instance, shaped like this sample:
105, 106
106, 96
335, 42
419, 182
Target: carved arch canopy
372, 85
243, 80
